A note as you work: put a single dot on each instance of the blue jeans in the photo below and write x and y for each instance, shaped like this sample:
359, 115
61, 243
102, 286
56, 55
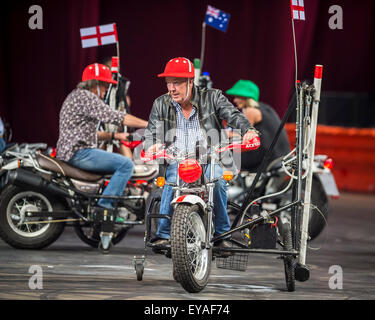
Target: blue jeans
2, 145
220, 215
96, 160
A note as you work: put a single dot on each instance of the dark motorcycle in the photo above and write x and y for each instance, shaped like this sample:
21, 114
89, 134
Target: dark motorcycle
273, 191
10, 153
43, 194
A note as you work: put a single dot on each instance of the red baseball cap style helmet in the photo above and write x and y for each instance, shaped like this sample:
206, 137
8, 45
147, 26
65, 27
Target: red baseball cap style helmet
99, 72
179, 68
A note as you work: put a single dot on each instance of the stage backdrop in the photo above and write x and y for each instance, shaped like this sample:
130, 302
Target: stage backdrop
40, 67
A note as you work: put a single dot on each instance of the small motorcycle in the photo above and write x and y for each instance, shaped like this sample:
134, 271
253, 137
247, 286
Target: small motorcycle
42, 194
275, 180
192, 229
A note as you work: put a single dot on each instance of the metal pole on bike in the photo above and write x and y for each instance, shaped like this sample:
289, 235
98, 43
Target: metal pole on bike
297, 184
310, 153
263, 164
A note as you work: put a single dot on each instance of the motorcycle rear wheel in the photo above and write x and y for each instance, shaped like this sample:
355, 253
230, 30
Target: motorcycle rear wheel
15, 202
191, 263
318, 217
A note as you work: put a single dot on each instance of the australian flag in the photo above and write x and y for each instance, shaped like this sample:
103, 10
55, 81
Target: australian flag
217, 19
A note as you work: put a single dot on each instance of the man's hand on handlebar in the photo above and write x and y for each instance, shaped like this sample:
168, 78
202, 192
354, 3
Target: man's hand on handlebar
121, 135
154, 148
251, 134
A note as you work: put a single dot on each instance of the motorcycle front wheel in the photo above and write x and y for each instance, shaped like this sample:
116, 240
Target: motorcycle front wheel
21, 231
192, 263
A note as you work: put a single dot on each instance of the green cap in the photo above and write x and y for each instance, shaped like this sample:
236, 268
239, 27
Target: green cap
244, 88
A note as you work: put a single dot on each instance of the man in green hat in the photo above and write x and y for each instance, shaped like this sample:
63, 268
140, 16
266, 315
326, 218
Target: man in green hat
264, 118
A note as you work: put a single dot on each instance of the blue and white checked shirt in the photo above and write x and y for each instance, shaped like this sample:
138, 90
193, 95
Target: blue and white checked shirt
188, 131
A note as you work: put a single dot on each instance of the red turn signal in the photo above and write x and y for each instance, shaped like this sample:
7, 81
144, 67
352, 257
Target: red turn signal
328, 163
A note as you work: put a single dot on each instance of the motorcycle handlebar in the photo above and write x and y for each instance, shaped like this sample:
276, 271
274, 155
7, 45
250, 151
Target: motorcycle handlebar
253, 144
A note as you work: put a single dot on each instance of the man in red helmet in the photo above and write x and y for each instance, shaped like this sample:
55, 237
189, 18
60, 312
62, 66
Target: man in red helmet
185, 115
79, 117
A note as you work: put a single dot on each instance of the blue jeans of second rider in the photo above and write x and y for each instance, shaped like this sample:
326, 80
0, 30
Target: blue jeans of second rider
96, 160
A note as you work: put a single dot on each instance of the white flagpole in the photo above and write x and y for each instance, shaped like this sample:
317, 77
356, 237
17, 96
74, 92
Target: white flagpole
295, 57
311, 152
203, 44
118, 54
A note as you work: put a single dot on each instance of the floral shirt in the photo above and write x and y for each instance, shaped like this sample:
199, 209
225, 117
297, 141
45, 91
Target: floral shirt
79, 118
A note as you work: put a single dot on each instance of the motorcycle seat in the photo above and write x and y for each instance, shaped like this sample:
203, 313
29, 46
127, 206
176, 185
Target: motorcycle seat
145, 172
62, 167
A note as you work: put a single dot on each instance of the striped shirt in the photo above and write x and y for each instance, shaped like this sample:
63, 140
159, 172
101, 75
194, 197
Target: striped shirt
188, 131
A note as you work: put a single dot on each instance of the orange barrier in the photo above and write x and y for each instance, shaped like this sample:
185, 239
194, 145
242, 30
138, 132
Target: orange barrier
353, 154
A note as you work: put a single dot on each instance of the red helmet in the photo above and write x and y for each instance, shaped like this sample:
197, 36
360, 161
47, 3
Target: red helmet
99, 72
178, 68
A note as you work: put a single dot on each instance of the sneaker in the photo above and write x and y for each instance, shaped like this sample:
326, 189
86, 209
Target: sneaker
122, 216
159, 241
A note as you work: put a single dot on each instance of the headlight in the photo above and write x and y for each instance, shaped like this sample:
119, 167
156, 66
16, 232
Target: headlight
189, 170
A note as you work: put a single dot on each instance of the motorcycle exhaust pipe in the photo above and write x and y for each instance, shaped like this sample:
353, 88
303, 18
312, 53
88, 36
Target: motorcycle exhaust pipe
22, 178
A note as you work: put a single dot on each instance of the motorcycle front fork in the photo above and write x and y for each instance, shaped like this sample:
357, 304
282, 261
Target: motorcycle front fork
209, 209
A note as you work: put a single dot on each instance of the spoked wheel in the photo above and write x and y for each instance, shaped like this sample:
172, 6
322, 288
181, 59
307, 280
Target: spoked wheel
289, 264
24, 232
191, 263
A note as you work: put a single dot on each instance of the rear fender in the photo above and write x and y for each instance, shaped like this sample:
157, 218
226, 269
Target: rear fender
328, 182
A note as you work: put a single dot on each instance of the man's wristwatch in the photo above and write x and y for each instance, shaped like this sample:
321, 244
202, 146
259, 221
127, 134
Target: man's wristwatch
253, 130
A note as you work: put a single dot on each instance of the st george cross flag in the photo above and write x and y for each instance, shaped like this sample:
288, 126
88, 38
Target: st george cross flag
99, 35
217, 19
298, 9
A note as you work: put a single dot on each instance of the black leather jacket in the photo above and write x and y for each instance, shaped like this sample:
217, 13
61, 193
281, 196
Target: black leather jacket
212, 107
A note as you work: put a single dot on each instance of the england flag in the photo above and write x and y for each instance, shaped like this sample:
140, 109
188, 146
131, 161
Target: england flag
298, 9
99, 35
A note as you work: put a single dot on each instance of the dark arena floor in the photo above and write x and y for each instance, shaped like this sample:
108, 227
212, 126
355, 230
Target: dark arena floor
71, 270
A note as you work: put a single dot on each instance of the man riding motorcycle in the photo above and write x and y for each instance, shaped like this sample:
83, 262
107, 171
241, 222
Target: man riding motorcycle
186, 114
79, 117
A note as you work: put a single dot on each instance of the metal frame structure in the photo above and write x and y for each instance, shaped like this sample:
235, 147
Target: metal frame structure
308, 98
306, 124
